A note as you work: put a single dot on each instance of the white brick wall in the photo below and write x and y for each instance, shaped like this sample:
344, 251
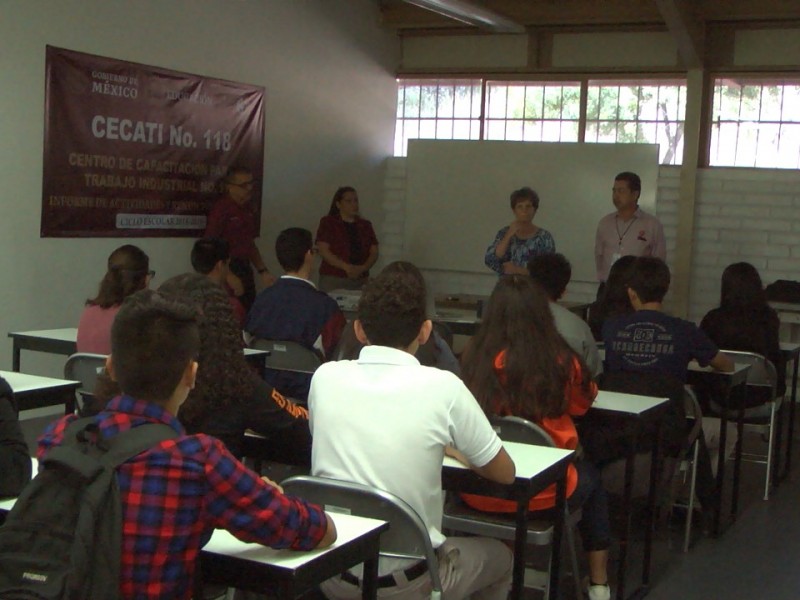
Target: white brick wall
741, 215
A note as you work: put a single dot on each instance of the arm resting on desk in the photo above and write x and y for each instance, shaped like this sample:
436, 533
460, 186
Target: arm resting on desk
500, 469
721, 362
330, 533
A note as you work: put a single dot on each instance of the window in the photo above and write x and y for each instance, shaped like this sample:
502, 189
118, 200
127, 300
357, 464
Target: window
532, 112
617, 112
625, 112
755, 123
443, 109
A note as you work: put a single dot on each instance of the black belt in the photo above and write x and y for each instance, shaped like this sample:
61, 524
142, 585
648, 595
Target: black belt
385, 581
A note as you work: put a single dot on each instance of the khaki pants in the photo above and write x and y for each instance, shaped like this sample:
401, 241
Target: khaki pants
474, 567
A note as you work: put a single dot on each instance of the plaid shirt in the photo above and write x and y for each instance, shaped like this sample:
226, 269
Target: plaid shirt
175, 494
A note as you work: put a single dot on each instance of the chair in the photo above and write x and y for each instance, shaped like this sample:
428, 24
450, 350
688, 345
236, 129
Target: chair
85, 367
458, 517
763, 404
288, 356
407, 536
687, 469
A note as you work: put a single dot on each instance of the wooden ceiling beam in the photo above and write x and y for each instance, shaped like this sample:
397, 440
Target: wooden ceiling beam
685, 29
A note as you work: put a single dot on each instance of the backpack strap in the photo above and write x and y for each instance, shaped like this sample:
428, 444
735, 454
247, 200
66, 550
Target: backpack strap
123, 446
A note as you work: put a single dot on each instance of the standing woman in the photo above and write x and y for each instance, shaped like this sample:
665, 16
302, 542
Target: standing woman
519, 365
128, 272
234, 219
516, 244
346, 243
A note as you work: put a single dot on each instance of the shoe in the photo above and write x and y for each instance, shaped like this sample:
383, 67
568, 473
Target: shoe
599, 592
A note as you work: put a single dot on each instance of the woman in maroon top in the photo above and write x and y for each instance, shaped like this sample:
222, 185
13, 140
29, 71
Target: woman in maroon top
347, 244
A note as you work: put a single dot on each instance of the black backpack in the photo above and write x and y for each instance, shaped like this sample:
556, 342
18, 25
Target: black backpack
62, 539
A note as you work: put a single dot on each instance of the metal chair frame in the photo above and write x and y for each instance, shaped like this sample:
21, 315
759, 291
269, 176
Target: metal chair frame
407, 537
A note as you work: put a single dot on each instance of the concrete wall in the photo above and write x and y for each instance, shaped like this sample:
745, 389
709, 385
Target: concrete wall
329, 73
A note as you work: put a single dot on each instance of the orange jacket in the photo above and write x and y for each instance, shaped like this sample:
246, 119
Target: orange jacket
561, 429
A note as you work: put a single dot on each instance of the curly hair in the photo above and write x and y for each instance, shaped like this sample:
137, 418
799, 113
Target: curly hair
127, 271
223, 375
392, 306
536, 360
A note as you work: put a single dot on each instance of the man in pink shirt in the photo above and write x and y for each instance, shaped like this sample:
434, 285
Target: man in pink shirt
629, 230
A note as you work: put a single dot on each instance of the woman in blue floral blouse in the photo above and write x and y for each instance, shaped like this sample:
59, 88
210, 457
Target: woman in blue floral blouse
516, 244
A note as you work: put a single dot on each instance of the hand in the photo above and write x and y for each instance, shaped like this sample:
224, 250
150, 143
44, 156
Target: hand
353, 271
513, 229
269, 481
234, 283
457, 454
267, 278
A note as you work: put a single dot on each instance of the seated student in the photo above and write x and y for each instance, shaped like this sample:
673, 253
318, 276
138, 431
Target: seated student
744, 321
613, 300
433, 353
519, 365
553, 272
229, 397
293, 309
128, 272
386, 421
659, 347
195, 485
15, 462
210, 257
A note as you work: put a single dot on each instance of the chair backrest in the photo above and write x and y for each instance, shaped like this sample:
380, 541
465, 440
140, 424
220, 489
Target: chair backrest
407, 536
85, 367
517, 429
288, 356
762, 372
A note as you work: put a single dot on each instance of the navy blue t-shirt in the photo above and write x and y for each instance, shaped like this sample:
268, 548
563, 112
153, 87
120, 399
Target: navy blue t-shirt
648, 341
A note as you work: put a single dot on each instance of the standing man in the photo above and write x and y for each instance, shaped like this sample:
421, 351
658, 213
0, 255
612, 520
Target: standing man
628, 231
233, 218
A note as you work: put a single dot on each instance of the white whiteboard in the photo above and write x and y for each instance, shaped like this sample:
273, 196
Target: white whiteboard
457, 196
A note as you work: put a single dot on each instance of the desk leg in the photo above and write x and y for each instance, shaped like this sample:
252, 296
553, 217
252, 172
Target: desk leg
518, 581
627, 494
741, 393
369, 586
15, 357
656, 465
558, 532
723, 438
790, 433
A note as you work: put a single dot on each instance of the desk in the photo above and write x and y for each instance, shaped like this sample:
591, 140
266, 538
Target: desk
34, 391
638, 409
291, 574
63, 341
734, 386
54, 341
791, 353
537, 467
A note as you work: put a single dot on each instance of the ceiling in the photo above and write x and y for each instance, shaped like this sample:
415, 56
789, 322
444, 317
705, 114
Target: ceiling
409, 19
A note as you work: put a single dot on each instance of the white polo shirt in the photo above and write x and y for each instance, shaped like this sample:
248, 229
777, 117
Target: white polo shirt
384, 421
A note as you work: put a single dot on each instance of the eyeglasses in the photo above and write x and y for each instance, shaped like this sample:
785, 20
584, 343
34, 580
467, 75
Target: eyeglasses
151, 274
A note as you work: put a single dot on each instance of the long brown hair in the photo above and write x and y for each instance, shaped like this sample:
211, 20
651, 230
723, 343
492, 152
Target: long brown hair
127, 273
223, 375
537, 361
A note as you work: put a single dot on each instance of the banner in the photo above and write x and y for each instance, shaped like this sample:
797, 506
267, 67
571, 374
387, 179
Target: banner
137, 151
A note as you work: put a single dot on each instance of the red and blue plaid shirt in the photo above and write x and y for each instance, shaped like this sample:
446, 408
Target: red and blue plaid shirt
176, 493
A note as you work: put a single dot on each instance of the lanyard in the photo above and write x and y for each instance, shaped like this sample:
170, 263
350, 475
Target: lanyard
616, 225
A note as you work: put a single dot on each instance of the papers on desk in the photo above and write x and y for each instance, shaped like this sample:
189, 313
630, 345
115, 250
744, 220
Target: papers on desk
348, 527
